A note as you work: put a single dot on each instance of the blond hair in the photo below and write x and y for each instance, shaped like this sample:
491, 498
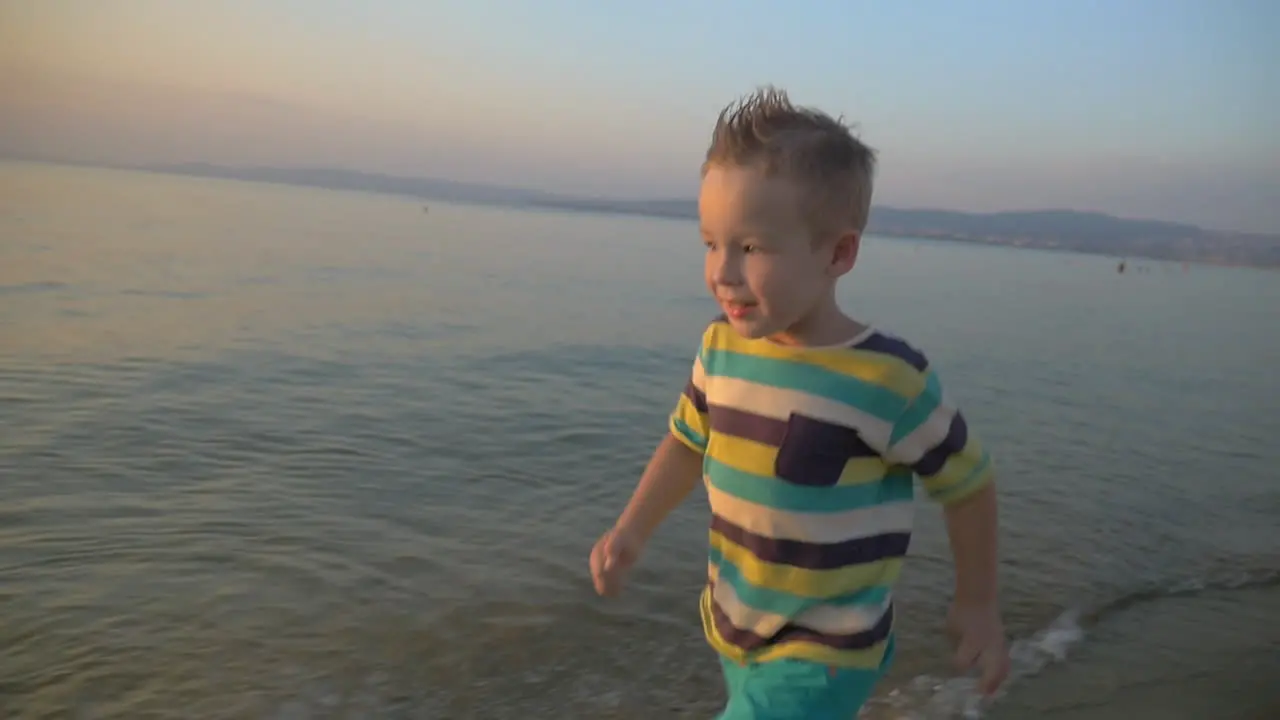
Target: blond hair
803, 144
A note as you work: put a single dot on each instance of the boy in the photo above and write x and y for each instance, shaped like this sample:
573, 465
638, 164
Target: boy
807, 428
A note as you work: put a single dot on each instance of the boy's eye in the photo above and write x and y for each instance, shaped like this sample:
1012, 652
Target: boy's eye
750, 249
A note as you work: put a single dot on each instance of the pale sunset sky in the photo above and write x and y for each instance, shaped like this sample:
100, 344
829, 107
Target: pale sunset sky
1144, 108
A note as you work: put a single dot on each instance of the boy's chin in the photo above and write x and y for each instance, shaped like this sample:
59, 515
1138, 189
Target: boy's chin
752, 329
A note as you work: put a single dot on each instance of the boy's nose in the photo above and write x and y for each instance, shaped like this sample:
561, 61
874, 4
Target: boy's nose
726, 272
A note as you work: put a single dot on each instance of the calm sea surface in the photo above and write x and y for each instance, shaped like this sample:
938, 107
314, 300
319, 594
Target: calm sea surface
269, 452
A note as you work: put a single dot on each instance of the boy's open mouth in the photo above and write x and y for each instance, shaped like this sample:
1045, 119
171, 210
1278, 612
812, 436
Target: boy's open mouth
737, 308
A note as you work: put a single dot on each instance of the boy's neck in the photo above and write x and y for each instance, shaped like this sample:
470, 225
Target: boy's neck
826, 327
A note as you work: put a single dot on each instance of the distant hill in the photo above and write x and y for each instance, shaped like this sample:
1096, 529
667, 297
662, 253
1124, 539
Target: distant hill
338, 179
1086, 232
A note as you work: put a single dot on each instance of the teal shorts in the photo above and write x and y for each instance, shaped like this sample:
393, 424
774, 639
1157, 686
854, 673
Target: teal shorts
798, 690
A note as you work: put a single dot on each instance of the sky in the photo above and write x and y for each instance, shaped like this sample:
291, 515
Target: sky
1167, 109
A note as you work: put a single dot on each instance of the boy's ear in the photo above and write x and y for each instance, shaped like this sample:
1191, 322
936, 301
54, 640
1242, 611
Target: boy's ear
844, 253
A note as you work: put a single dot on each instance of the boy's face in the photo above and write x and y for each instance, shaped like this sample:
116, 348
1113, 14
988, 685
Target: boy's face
762, 264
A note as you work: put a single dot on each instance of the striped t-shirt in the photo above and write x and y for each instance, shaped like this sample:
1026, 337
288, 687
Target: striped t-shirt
809, 460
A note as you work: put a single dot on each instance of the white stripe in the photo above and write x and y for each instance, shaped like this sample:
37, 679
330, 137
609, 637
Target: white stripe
812, 527
699, 376
933, 431
826, 619
780, 404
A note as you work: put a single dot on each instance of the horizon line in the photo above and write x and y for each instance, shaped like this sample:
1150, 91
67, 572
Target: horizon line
536, 194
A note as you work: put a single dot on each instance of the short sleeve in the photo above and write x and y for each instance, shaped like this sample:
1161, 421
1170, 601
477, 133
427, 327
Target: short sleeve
933, 438
689, 421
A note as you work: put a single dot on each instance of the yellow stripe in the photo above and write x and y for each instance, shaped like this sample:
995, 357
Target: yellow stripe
867, 659
759, 459
742, 454
965, 488
957, 468
818, 584
886, 371
686, 411
863, 470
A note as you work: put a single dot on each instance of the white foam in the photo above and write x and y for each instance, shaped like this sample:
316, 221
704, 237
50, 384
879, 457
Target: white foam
932, 698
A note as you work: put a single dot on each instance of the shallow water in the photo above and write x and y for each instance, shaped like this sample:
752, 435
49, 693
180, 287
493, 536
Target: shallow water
271, 452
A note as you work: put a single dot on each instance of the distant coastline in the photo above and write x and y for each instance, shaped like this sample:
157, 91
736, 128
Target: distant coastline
1066, 230
1063, 230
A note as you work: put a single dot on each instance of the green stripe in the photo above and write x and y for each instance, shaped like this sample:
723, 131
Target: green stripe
873, 399
689, 433
920, 409
782, 495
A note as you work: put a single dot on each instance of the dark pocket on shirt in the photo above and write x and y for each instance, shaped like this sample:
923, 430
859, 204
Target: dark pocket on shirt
814, 452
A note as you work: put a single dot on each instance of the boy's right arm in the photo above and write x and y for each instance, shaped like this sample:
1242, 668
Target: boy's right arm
672, 473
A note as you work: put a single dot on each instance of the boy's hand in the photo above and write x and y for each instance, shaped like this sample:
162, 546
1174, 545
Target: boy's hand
612, 557
978, 638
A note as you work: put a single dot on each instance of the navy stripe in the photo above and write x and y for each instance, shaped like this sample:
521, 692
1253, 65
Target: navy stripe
750, 641
815, 556
748, 425
809, 435
885, 345
696, 396
933, 460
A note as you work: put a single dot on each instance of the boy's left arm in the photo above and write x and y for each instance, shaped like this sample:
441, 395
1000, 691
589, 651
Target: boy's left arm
974, 619
934, 440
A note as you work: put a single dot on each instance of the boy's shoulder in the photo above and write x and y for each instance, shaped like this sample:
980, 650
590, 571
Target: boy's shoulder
878, 342
881, 358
